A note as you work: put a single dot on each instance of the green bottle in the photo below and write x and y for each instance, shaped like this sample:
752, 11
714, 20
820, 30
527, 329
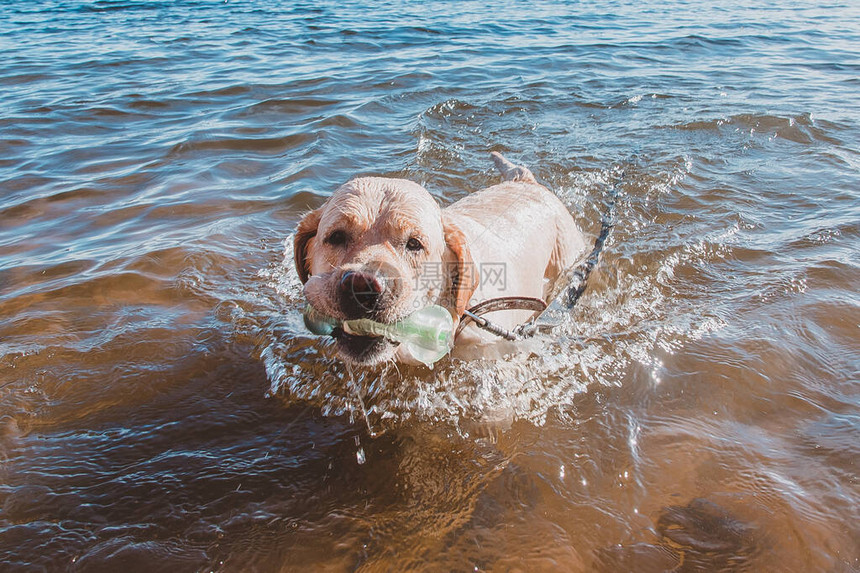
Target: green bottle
427, 334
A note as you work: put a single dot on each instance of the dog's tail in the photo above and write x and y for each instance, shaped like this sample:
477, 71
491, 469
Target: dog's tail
510, 171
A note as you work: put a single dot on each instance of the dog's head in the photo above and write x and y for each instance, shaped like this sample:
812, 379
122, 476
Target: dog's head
381, 249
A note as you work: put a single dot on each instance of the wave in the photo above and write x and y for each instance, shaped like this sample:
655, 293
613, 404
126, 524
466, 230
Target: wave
801, 128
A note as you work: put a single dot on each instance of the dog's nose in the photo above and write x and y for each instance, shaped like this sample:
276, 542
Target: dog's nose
360, 292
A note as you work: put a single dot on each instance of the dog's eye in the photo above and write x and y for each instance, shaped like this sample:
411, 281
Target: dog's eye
336, 238
414, 245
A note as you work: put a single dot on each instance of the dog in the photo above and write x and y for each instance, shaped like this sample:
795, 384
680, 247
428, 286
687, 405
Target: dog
381, 248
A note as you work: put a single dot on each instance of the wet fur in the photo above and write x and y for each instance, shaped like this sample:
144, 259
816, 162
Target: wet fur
518, 228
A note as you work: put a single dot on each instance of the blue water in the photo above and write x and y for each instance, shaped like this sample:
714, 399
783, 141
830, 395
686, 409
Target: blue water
162, 407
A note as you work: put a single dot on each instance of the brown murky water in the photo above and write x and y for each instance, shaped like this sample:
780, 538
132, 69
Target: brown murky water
163, 409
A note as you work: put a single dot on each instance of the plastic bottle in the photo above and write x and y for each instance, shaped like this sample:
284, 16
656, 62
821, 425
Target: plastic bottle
427, 333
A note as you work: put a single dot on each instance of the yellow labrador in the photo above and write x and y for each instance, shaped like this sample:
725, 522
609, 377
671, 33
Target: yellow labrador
381, 248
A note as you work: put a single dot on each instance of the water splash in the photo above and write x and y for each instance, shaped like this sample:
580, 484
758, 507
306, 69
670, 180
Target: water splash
637, 308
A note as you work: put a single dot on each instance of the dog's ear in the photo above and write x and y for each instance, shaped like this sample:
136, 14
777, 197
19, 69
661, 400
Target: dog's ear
306, 231
463, 276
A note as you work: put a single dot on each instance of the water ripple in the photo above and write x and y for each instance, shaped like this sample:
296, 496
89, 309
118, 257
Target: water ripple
161, 405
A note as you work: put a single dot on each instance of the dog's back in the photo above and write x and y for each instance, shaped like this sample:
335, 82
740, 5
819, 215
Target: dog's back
521, 236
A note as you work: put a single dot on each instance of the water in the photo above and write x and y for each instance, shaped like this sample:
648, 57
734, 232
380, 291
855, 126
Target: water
162, 408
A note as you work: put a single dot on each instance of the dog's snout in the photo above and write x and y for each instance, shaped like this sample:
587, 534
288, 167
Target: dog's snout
360, 293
